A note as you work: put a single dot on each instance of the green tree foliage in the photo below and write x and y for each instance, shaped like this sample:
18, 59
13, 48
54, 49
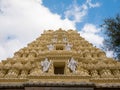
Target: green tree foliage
111, 29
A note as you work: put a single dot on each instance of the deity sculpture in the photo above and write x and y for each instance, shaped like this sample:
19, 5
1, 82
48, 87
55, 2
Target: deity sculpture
50, 47
2, 73
45, 64
94, 73
54, 40
23, 74
64, 39
68, 47
35, 72
72, 64
106, 73
83, 72
12, 73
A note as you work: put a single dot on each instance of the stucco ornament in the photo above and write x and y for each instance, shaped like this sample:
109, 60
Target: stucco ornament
54, 40
45, 65
68, 47
50, 47
72, 64
64, 39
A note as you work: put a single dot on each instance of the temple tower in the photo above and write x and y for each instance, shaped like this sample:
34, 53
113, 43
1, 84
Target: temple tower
60, 58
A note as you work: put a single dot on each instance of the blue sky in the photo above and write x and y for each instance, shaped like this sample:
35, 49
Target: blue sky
107, 8
22, 21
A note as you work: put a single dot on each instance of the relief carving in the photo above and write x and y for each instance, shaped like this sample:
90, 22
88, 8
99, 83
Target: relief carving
45, 65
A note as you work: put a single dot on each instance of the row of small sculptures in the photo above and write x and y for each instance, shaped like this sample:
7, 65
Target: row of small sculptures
47, 68
81, 54
14, 73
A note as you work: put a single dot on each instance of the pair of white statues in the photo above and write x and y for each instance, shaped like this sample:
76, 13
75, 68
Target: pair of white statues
72, 64
67, 47
55, 40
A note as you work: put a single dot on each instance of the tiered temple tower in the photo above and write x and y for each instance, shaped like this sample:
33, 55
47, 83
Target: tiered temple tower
60, 58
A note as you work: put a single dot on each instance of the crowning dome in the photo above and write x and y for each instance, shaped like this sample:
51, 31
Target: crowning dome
60, 58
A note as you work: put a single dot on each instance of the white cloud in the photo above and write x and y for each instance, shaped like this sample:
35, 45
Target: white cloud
110, 53
77, 13
25, 20
21, 21
90, 33
91, 5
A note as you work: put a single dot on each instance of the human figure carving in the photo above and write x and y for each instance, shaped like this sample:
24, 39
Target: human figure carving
45, 64
12, 73
106, 73
50, 47
2, 73
64, 39
68, 47
54, 40
72, 64
35, 72
94, 73
23, 74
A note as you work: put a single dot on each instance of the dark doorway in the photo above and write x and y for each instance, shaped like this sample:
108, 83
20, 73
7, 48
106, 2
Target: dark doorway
59, 67
58, 70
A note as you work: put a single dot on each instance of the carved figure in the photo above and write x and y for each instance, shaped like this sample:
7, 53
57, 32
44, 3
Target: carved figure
84, 72
23, 74
35, 72
2, 73
94, 73
106, 73
68, 47
50, 47
54, 40
45, 64
64, 39
12, 73
72, 64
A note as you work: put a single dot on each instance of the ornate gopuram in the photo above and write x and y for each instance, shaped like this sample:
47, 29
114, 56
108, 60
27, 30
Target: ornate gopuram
59, 60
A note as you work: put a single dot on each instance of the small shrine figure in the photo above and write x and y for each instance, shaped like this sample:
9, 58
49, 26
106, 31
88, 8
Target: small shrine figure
72, 64
50, 47
68, 47
64, 39
54, 40
45, 64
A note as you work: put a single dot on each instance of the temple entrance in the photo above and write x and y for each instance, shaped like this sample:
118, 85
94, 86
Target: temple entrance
59, 67
60, 47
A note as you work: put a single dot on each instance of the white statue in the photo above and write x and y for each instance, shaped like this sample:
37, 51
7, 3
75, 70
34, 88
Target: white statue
50, 47
54, 40
64, 39
72, 64
45, 64
68, 47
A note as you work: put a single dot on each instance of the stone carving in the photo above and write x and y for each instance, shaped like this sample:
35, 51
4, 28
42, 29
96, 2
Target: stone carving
82, 71
2, 73
45, 65
116, 73
51, 69
12, 73
50, 47
54, 40
32, 54
64, 39
72, 64
35, 72
94, 73
23, 74
106, 73
68, 47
